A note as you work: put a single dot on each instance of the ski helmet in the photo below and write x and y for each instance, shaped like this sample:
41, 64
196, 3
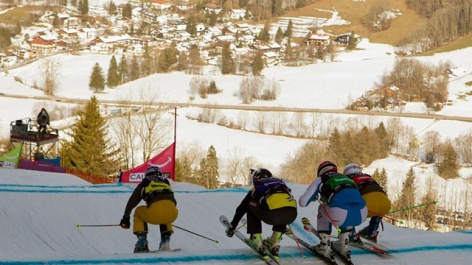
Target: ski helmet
325, 167
153, 173
259, 174
352, 169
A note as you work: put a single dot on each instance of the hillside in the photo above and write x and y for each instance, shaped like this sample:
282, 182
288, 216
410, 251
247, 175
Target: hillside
353, 11
40, 213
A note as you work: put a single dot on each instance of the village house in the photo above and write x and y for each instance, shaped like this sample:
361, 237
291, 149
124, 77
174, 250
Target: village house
237, 13
181, 36
246, 40
41, 45
87, 34
274, 47
184, 6
344, 39
8, 60
69, 34
210, 7
161, 4
63, 44
25, 54
271, 58
97, 11
72, 23
106, 45
318, 40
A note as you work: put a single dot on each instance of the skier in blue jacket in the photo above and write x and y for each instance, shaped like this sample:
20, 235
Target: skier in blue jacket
341, 205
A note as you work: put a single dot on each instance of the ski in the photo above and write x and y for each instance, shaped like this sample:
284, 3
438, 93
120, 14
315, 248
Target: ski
309, 227
345, 259
160, 251
328, 260
264, 256
373, 245
276, 258
369, 247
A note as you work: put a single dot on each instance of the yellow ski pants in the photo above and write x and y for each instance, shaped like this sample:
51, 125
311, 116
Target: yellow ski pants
162, 212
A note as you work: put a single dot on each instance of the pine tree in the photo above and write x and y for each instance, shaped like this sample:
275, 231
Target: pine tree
97, 80
408, 195
227, 60
279, 36
213, 19
289, 30
183, 170
382, 134
428, 213
381, 178
209, 169
134, 69
90, 151
127, 11
5, 38
147, 61
83, 7
112, 8
288, 49
334, 142
113, 77
257, 64
448, 167
192, 28
123, 70
264, 34
352, 42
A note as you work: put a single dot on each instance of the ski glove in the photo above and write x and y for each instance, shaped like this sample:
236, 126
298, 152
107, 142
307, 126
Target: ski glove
230, 231
124, 223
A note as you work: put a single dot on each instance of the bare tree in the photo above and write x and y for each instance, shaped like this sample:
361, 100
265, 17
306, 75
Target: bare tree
237, 166
209, 115
243, 117
463, 146
261, 121
313, 129
150, 128
298, 124
49, 69
431, 144
278, 122
123, 128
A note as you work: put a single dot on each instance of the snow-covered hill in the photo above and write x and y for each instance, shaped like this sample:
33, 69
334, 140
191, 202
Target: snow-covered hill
40, 212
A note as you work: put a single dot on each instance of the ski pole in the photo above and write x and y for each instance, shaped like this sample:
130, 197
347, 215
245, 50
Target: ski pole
79, 225
412, 207
329, 217
386, 216
188, 231
296, 240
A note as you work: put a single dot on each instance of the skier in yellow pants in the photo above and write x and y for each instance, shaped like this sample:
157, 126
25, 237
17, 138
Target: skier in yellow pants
160, 209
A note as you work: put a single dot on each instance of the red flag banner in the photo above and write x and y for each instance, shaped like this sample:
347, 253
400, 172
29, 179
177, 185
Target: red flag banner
165, 160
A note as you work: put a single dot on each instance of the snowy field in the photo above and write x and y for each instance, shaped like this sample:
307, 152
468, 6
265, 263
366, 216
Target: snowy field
41, 211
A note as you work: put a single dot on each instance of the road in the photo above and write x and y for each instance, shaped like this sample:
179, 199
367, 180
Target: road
120, 103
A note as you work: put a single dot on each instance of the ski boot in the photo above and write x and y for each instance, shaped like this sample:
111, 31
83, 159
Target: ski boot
324, 247
142, 244
164, 245
344, 245
355, 238
255, 240
273, 243
372, 236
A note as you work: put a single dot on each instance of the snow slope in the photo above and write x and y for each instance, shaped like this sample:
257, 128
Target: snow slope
40, 212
